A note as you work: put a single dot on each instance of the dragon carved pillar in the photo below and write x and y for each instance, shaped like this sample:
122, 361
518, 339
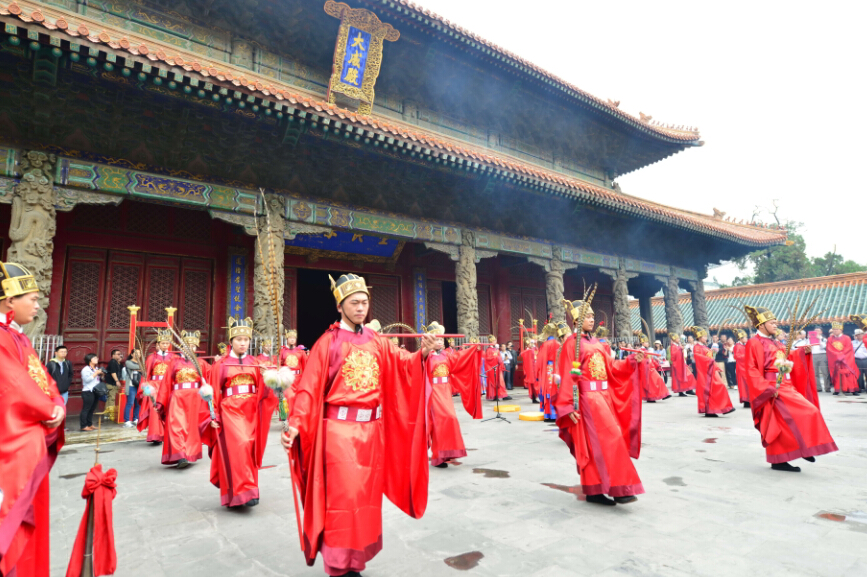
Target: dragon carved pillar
268, 274
465, 277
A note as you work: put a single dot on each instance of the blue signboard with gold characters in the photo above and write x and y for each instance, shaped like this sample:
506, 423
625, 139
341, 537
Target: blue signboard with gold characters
237, 282
357, 54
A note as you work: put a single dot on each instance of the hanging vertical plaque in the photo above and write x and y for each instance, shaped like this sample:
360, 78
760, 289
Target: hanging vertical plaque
357, 53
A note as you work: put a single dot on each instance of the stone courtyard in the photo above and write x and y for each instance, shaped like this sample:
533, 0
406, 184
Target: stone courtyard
513, 506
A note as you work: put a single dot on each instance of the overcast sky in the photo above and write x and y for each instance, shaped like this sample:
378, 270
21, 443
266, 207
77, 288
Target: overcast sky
776, 88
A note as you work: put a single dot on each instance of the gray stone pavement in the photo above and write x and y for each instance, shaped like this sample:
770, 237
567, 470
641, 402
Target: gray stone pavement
712, 507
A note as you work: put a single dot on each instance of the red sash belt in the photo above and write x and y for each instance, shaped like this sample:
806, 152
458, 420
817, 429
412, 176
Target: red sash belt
440, 380
593, 386
190, 385
772, 376
157, 377
240, 390
356, 414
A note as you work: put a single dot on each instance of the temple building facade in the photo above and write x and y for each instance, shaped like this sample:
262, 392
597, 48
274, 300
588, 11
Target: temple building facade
146, 145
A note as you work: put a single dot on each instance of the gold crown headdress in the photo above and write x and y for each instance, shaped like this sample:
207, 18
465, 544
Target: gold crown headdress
698, 332
348, 284
562, 328
15, 280
674, 337
492, 339
601, 332
574, 308
860, 321
474, 339
291, 334
192, 338
435, 329
759, 315
742, 334
394, 340
240, 328
451, 342
642, 338
374, 325
222, 348
164, 336
266, 342
836, 325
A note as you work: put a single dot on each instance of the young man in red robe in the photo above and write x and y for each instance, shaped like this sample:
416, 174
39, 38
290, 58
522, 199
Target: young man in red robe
783, 397
682, 379
181, 408
554, 333
740, 354
841, 361
31, 431
599, 413
528, 363
459, 371
653, 387
359, 432
494, 371
711, 390
294, 359
156, 366
243, 406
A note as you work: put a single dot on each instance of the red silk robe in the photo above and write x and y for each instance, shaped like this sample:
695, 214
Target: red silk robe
652, 386
459, 371
494, 370
237, 446
711, 391
156, 367
295, 359
182, 410
740, 354
545, 376
528, 362
841, 364
28, 450
344, 466
790, 423
682, 379
609, 430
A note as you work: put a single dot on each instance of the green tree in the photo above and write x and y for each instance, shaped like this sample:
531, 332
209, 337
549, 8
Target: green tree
833, 263
778, 263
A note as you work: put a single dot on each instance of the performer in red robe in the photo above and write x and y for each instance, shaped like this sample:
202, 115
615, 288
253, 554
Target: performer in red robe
546, 367
267, 357
599, 414
682, 379
653, 387
359, 416
31, 431
528, 363
156, 366
785, 410
294, 359
445, 372
181, 408
712, 393
740, 354
841, 361
243, 406
494, 370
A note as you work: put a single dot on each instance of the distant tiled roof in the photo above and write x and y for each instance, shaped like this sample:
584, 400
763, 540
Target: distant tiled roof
839, 295
417, 140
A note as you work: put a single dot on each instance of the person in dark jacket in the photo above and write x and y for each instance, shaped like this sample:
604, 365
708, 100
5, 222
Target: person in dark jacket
60, 370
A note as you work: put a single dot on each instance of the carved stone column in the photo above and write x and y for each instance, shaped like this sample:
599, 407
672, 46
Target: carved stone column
699, 304
268, 274
465, 278
622, 315
673, 316
34, 223
645, 306
554, 289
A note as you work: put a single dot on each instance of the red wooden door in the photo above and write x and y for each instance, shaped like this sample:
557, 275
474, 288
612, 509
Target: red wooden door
385, 299
83, 304
527, 304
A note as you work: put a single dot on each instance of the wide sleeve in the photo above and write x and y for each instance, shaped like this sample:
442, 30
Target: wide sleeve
624, 386
803, 377
464, 367
564, 401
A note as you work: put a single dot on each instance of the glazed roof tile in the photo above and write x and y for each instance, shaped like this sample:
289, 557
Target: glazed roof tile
839, 296
227, 76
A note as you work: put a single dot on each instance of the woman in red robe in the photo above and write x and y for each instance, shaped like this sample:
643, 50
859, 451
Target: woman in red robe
785, 410
841, 361
156, 366
599, 414
740, 354
181, 408
494, 371
31, 431
682, 379
459, 371
712, 393
653, 387
528, 364
359, 416
294, 359
545, 367
243, 406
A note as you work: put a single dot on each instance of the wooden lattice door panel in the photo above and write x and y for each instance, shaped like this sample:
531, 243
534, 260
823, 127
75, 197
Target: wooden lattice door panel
83, 303
527, 304
484, 296
434, 302
196, 288
161, 288
124, 288
603, 305
385, 299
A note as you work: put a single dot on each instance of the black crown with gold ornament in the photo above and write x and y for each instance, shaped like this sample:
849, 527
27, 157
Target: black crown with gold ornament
836, 325
741, 334
574, 309
435, 329
759, 315
860, 321
221, 348
674, 337
348, 284
698, 332
15, 280
562, 328
240, 328
291, 334
164, 336
601, 332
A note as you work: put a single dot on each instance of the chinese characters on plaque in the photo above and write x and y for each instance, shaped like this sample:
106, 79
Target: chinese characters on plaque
237, 284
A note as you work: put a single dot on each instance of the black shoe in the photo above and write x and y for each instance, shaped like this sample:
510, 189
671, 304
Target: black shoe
691, 393
651, 401
625, 500
506, 398
155, 442
252, 502
550, 420
352, 574
535, 402
183, 464
836, 393
785, 467
731, 411
856, 394
442, 466
746, 404
710, 415
681, 394
601, 500
668, 397
810, 459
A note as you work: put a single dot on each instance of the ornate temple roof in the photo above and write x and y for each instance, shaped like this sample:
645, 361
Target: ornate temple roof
121, 44
839, 296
